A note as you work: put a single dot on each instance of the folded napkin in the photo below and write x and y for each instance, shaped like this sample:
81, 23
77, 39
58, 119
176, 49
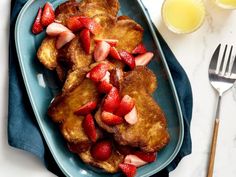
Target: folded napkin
24, 133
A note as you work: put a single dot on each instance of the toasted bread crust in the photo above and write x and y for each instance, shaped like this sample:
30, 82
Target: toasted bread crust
47, 53
66, 10
107, 6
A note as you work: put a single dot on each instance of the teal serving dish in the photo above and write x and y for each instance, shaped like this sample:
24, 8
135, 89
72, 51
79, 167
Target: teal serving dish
42, 87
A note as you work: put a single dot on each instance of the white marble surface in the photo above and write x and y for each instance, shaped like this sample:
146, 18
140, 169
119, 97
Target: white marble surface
193, 52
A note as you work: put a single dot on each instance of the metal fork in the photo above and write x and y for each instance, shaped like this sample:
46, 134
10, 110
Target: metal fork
222, 75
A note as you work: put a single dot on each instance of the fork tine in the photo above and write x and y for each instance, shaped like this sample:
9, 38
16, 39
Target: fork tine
214, 58
233, 70
229, 62
221, 63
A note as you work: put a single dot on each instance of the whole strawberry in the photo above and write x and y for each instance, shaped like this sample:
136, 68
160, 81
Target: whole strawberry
102, 150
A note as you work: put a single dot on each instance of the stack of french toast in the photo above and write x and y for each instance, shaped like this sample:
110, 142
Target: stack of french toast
105, 110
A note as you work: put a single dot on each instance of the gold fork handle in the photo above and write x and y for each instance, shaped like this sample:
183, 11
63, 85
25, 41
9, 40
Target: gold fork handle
213, 148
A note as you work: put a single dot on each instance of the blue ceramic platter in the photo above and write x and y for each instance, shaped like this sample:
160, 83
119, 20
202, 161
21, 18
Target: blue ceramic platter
42, 87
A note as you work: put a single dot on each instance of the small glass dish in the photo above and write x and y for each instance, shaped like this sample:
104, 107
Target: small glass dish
183, 16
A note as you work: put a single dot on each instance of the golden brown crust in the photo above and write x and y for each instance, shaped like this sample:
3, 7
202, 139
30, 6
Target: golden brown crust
128, 33
64, 105
65, 10
151, 119
74, 78
77, 55
105, 6
47, 53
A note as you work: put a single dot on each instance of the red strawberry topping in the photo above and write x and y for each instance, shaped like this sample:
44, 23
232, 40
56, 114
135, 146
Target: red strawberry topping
37, 26
101, 51
48, 15
55, 29
90, 24
140, 49
101, 150
111, 119
86, 109
89, 128
128, 58
128, 169
132, 116
98, 72
85, 40
74, 23
112, 42
143, 59
64, 38
126, 105
114, 53
104, 87
145, 156
112, 100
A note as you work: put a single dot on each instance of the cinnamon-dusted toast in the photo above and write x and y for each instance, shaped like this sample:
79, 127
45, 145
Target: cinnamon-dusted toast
64, 105
149, 133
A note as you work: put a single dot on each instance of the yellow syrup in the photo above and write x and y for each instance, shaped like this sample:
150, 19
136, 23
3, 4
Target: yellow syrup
183, 16
228, 4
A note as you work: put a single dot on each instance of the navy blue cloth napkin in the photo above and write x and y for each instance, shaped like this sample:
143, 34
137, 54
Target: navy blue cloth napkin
24, 133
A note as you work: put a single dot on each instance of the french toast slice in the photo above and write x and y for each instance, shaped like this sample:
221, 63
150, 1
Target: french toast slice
111, 165
47, 53
63, 106
149, 133
128, 33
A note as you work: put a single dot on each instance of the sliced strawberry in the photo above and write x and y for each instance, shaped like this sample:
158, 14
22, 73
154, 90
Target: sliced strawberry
104, 87
128, 58
143, 59
86, 109
85, 40
134, 160
106, 77
48, 15
101, 51
64, 38
88, 75
132, 116
112, 100
90, 24
128, 169
116, 77
140, 49
98, 72
101, 150
111, 119
126, 105
37, 26
114, 53
74, 23
55, 29
89, 128
112, 42
145, 156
